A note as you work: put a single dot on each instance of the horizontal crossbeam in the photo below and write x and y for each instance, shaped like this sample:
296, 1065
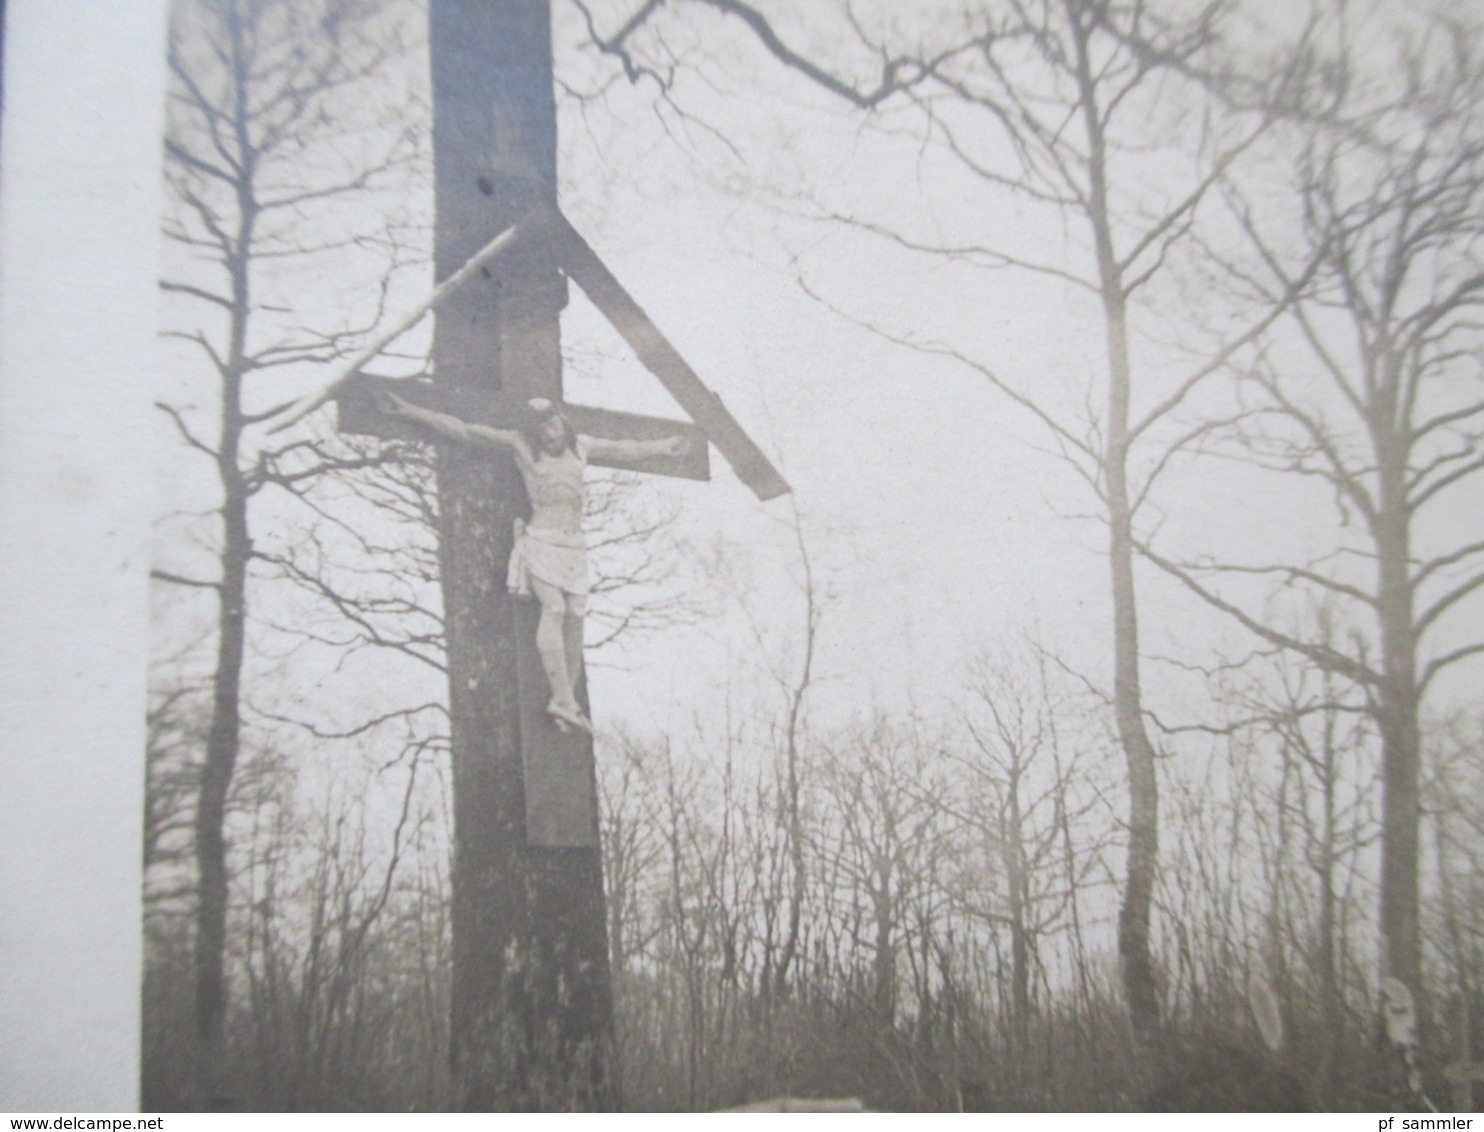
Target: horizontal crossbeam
358, 414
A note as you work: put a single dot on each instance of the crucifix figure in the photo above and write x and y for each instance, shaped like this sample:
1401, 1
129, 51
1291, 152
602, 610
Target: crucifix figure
548, 448
549, 559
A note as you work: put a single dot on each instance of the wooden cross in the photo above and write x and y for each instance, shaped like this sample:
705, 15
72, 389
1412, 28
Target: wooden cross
531, 1004
558, 771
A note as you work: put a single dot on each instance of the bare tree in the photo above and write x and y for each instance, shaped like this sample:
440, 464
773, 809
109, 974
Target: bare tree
793, 675
1452, 792
262, 93
319, 938
1322, 740
1059, 102
1373, 393
1020, 797
884, 831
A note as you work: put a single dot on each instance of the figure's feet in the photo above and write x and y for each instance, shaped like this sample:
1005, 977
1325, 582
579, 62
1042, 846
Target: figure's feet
568, 717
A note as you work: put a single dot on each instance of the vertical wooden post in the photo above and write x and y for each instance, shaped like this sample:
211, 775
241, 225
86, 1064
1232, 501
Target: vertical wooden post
532, 1001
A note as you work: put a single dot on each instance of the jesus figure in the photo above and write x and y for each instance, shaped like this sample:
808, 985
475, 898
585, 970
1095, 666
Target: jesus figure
549, 560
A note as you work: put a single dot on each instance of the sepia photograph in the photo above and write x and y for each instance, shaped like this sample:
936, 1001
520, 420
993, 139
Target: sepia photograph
745, 555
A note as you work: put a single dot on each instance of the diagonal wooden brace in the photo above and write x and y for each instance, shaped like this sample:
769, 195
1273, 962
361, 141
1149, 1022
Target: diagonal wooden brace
600, 285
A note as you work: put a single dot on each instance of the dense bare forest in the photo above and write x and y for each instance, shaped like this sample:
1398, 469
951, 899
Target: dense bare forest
1234, 757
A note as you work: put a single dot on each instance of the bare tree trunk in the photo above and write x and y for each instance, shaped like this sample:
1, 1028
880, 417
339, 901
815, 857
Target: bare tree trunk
1401, 811
224, 734
222, 745
1137, 967
793, 812
883, 952
1331, 1006
1017, 884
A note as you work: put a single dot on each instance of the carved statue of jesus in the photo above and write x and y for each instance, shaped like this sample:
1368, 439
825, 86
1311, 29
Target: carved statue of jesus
549, 561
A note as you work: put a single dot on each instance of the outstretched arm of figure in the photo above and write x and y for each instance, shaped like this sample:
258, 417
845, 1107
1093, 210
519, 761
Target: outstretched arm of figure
447, 425
636, 449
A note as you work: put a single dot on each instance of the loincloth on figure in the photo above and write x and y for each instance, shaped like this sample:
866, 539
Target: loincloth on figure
555, 557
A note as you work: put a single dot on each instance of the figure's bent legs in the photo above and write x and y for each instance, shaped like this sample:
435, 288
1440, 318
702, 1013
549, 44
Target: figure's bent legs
572, 638
551, 644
